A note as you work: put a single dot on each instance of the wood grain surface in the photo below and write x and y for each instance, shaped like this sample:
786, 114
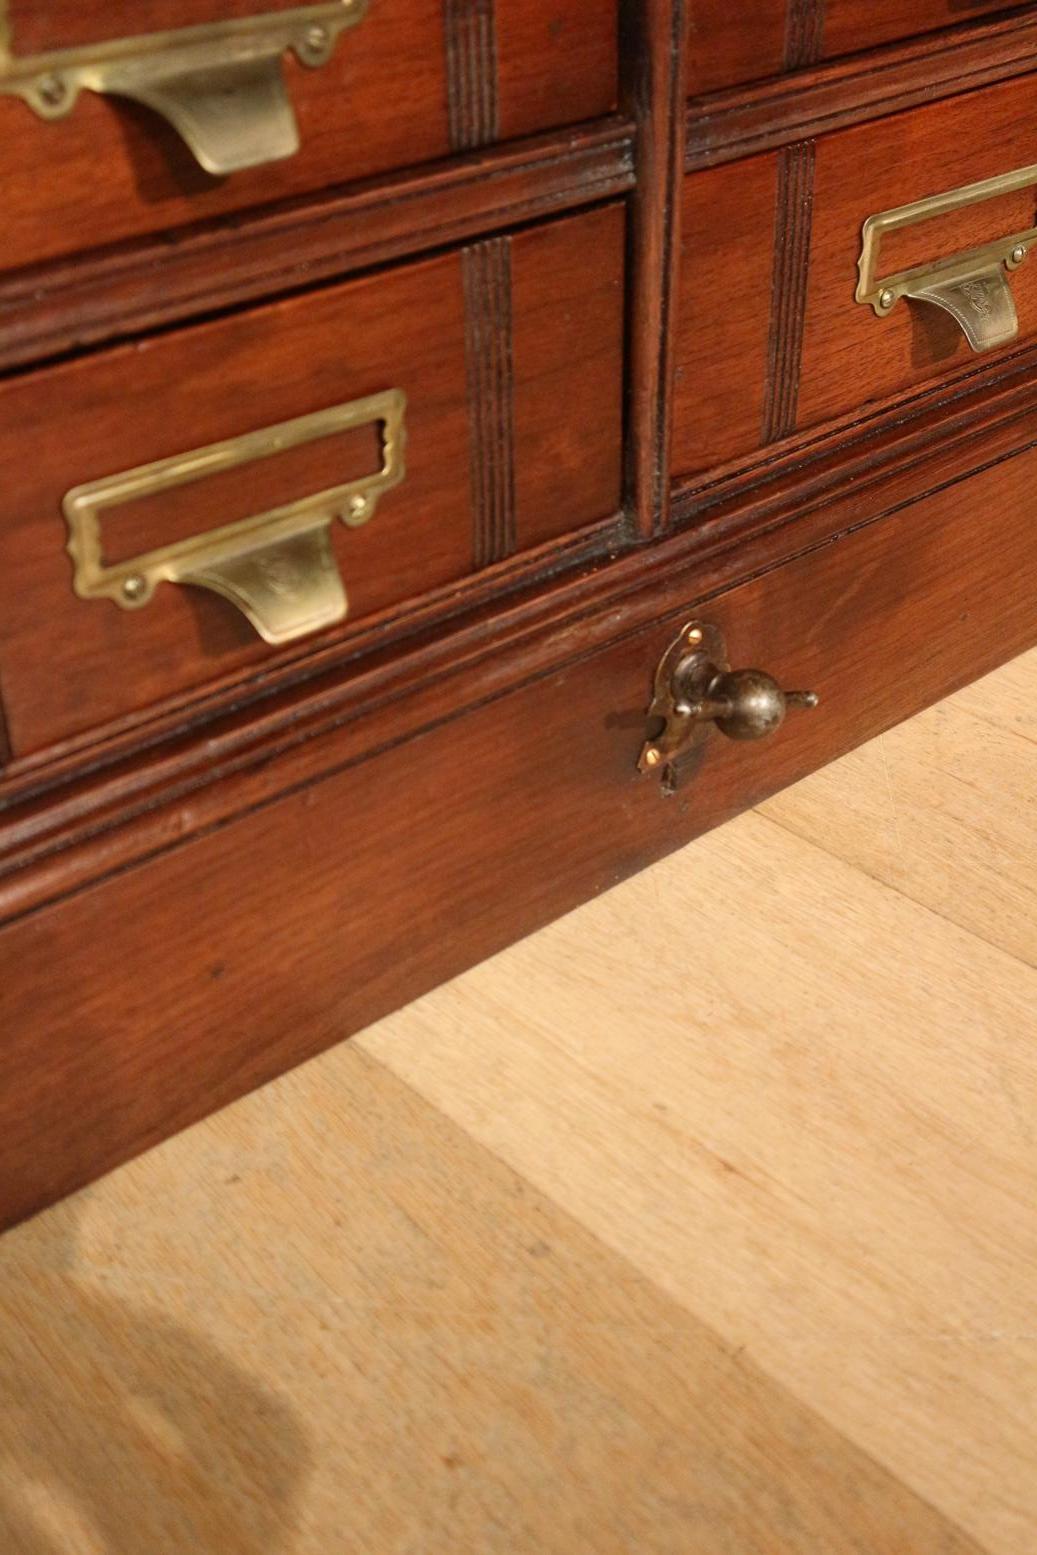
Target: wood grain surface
654, 96
387, 99
744, 119
789, 35
876, 167
218, 862
699, 1223
307, 901
418, 328
778, 239
53, 308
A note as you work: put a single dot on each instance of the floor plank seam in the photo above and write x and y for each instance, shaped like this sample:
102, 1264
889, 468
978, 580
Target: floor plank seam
887, 885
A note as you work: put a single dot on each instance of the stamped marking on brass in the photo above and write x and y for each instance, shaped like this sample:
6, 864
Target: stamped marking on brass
278, 567
973, 286
978, 294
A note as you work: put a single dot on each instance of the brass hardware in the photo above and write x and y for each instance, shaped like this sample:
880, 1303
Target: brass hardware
973, 287
277, 567
221, 86
696, 688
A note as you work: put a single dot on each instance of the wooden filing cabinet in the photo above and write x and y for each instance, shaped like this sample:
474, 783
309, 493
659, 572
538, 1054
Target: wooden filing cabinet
415, 420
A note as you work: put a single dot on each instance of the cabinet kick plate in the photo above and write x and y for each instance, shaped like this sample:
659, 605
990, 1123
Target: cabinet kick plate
277, 567
221, 86
972, 286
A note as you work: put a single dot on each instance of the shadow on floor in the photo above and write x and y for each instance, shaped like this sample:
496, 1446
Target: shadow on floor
123, 1432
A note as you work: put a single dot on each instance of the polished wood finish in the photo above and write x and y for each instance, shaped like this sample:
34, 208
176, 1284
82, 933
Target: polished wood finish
725, 347
432, 329
391, 96
898, 613
720, 51
66, 24
47, 310
216, 750
639, 388
729, 48
587, 1199
874, 167
848, 27
724, 125
780, 235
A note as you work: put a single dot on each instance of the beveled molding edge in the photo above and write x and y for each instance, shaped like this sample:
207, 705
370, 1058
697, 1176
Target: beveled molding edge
764, 115
372, 640
176, 792
91, 299
943, 409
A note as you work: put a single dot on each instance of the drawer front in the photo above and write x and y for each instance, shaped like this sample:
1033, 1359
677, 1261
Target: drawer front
242, 951
412, 80
769, 314
731, 44
509, 355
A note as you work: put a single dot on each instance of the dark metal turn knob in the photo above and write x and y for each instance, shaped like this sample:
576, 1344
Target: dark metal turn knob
696, 688
748, 704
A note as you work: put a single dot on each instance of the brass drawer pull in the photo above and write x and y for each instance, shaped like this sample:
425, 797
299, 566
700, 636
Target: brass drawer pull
277, 567
972, 286
221, 86
695, 688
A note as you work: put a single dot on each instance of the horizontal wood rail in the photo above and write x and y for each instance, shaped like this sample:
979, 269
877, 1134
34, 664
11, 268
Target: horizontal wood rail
742, 121
112, 294
143, 799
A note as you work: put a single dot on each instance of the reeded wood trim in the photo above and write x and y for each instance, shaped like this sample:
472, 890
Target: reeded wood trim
739, 122
374, 641
486, 268
105, 820
792, 224
470, 35
904, 427
654, 43
804, 29
113, 295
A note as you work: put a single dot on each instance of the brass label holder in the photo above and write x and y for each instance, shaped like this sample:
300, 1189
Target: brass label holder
278, 567
221, 86
973, 286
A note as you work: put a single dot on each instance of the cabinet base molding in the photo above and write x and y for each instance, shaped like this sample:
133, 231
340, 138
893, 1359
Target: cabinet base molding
234, 946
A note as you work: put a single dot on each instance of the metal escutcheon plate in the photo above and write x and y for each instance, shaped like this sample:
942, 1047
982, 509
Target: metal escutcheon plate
277, 567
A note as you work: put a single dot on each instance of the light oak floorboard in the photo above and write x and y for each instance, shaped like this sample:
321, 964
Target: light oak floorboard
700, 1223
805, 1105
943, 807
328, 1321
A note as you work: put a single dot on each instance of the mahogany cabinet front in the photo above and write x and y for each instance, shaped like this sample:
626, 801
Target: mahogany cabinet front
368, 86
733, 44
454, 451
402, 332
780, 236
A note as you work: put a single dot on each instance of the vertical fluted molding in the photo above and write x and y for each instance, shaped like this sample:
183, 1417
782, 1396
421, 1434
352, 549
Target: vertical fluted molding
486, 271
654, 52
793, 220
804, 33
470, 39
